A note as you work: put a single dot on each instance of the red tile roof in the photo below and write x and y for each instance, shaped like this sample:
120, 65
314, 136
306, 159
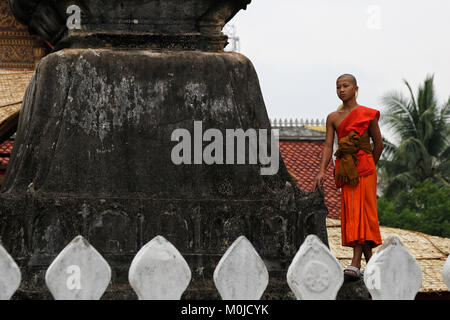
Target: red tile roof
302, 159
5, 147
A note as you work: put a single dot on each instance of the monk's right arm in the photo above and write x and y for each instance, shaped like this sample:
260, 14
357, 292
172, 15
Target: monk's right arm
326, 155
328, 148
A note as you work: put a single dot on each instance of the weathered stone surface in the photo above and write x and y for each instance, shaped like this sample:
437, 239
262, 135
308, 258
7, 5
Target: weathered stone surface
169, 24
241, 274
392, 273
79, 272
315, 273
159, 271
92, 158
10, 276
353, 290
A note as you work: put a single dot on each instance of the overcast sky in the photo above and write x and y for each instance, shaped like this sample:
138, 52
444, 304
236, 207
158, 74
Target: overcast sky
300, 47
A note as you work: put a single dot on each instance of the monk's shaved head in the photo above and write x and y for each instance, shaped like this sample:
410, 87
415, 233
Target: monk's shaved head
350, 77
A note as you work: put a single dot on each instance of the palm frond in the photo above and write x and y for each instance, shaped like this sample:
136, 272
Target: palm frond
426, 95
399, 183
389, 148
397, 115
445, 154
411, 94
426, 124
413, 155
445, 111
443, 170
391, 168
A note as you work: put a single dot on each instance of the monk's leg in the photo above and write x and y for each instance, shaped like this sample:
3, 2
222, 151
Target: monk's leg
367, 250
357, 255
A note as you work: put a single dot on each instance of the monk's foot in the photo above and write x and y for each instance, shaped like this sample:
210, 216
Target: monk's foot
352, 272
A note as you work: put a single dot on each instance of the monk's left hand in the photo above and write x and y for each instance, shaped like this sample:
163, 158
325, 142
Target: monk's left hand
318, 182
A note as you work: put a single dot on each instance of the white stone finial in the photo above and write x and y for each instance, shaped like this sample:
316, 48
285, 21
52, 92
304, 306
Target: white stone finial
446, 272
10, 275
79, 272
159, 271
315, 273
392, 273
241, 273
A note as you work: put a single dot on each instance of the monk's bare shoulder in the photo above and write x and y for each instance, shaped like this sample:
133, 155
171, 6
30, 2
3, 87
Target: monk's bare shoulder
333, 117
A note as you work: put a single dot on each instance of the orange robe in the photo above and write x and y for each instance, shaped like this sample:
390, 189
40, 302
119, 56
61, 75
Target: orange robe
359, 218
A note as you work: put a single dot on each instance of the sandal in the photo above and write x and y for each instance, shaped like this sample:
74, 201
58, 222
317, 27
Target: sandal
353, 272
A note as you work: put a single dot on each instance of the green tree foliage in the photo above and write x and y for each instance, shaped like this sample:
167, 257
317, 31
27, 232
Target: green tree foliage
424, 131
424, 208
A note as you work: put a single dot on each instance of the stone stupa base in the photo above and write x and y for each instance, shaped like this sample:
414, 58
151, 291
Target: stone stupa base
93, 157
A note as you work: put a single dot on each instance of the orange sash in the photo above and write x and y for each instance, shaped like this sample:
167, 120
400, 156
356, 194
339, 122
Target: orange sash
357, 120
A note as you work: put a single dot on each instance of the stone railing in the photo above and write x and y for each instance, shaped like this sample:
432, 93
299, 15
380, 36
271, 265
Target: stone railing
159, 271
296, 123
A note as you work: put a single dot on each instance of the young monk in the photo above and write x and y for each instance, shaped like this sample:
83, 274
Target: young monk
354, 171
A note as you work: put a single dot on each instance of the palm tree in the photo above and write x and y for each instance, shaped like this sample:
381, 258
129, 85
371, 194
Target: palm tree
423, 130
